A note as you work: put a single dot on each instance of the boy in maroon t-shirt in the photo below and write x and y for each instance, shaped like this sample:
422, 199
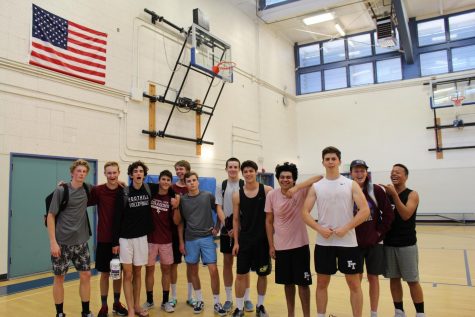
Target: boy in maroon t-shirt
160, 240
104, 197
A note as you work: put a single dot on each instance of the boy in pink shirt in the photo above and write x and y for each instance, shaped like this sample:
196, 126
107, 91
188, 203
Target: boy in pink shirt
287, 235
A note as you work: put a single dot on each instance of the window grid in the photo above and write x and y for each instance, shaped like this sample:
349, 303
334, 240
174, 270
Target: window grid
448, 45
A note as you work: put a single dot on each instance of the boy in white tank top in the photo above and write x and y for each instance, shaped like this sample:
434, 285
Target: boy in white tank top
335, 196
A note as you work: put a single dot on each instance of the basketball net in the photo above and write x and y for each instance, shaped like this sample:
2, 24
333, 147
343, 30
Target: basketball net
457, 100
223, 66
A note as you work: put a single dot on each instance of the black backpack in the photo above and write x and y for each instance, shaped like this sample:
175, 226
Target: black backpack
64, 203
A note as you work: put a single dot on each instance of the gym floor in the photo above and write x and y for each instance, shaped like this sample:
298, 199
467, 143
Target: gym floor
446, 264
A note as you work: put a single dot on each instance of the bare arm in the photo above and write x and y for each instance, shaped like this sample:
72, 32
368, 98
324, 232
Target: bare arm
220, 214
361, 215
305, 184
176, 216
180, 238
54, 246
236, 222
307, 218
270, 232
405, 211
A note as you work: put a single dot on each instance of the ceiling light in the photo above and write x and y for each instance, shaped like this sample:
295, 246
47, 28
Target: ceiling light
340, 30
319, 18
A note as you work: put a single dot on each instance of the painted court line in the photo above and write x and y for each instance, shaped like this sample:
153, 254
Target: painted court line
467, 268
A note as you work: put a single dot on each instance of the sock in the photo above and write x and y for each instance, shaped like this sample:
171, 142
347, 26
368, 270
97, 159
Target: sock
199, 296
190, 291
59, 308
374, 314
260, 300
173, 287
419, 307
216, 298
246, 294
150, 296
85, 307
229, 293
116, 298
104, 300
165, 296
398, 305
240, 303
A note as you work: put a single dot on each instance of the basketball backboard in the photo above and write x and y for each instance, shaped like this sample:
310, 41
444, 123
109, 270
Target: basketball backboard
207, 51
444, 93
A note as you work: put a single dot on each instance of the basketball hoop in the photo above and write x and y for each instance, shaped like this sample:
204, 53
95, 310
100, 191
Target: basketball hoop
457, 100
223, 65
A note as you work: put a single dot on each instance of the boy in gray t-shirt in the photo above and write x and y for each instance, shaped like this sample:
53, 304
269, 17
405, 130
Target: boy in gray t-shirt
196, 212
68, 233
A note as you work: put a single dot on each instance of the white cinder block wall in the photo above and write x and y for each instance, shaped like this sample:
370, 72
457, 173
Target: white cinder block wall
49, 114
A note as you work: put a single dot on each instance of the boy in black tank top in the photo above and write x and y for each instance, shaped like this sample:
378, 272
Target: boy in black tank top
250, 241
400, 242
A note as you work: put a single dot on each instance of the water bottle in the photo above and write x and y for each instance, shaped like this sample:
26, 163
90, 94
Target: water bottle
115, 268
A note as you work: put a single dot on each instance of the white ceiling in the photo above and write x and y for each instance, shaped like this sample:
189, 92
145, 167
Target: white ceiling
353, 15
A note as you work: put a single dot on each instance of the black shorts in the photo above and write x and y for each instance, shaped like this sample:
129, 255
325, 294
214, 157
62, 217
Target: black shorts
177, 256
226, 243
293, 266
254, 256
374, 259
103, 256
350, 260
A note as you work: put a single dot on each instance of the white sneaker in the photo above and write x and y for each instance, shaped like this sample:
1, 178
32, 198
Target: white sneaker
420, 315
168, 307
147, 305
399, 313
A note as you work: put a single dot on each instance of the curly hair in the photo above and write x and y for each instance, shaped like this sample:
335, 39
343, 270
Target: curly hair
79, 162
287, 167
134, 165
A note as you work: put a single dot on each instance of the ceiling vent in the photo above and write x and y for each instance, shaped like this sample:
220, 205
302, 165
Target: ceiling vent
385, 32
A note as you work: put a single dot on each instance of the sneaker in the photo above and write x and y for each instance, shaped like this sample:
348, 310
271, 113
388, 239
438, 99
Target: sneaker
248, 306
228, 305
104, 312
60, 315
261, 311
218, 309
168, 307
173, 302
199, 306
238, 313
89, 314
148, 305
191, 302
119, 309
399, 313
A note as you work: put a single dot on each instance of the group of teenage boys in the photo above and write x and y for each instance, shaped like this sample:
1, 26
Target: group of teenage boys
139, 222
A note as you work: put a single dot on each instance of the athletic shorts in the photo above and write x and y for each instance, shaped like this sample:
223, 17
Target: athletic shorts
226, 243
165, 251
292, 267
402, 262
176, 249
103, 256
134, 251
373, 257
202, 247
254, 257
348, 260
77, 254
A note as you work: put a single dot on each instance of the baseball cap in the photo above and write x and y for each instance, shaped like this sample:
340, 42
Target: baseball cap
358, 163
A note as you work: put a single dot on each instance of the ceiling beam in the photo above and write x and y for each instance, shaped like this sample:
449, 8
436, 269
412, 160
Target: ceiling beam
403, 29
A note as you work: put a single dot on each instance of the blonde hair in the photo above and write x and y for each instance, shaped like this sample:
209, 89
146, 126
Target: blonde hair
77, 163
111, 163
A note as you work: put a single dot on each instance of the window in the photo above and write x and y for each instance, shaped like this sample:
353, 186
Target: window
434, 63
382, 50
309, 55
389, 70
335, 78
359, 46
463, 58
462, 26
361, 74
310, 82
431, 32
271, 2
333, 51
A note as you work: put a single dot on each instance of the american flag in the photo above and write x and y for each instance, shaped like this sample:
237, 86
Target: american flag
67, 47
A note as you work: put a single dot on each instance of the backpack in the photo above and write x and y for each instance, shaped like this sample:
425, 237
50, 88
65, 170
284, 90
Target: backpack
64, 203
127, 192
228, 221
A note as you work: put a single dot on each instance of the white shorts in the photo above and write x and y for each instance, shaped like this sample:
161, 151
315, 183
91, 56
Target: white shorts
134, 251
